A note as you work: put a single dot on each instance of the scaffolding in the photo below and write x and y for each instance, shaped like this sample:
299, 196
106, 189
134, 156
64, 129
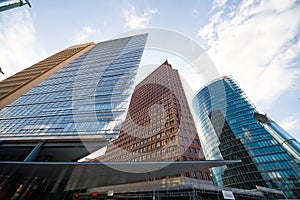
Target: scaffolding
180, 188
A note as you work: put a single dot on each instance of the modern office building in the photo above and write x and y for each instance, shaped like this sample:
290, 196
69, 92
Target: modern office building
61, 109
159, 125
232, 128
15, 86
71, 102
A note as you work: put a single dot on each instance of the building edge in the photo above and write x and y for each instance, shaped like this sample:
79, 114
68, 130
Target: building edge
25, 86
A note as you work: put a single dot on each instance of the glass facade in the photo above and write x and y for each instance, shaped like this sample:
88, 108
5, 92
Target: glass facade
230, 131
86, 97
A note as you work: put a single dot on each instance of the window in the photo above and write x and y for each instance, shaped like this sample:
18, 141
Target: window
182, 149
194, 151
200, 175
206, 176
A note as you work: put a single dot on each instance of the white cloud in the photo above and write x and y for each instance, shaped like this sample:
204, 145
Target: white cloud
133, 20
17, 42
217, 4
256, 42
84, 34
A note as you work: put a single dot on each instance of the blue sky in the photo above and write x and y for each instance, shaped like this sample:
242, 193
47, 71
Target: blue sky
258, 42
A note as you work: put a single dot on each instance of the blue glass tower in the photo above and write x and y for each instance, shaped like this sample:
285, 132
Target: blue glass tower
231, 128
85, 100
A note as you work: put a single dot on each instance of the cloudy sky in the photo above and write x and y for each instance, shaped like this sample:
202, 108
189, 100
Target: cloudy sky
257, 42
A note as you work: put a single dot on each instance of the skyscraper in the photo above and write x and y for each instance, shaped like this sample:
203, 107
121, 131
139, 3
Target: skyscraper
159, 125
69, 104
61, 109
64, 107
233, 129
15, 86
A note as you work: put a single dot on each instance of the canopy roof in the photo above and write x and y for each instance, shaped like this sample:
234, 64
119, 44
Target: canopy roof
94, 174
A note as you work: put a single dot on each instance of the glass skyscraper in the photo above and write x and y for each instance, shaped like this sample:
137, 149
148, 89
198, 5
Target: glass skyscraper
85, 100
232, 128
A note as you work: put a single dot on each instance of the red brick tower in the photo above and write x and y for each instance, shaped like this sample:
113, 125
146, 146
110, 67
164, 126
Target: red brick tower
159, 125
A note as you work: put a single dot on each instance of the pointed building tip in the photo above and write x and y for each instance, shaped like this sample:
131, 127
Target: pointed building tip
167, 63
224, 77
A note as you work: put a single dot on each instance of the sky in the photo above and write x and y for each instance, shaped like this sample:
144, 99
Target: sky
257, 42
